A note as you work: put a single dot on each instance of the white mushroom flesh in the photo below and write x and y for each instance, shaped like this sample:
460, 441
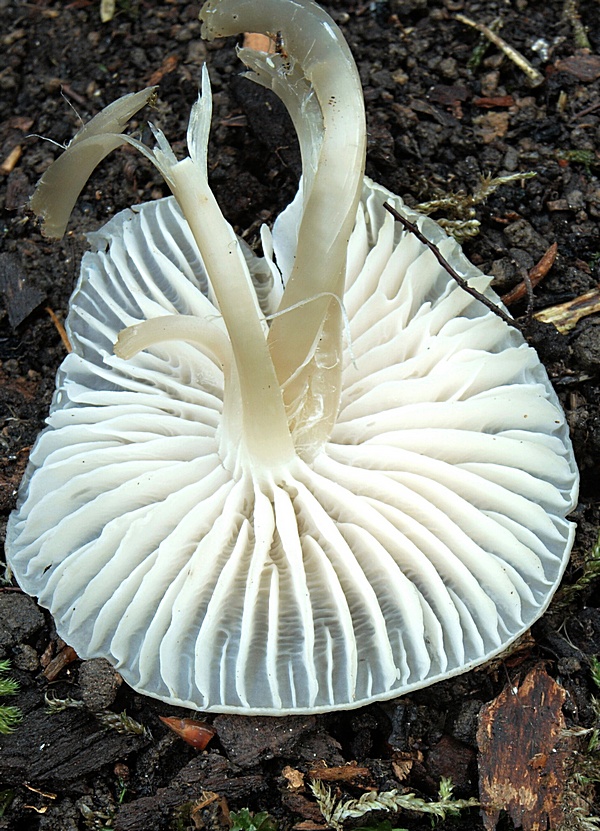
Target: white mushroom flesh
297, 515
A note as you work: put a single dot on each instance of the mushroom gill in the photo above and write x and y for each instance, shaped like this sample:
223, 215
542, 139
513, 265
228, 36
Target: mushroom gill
298, 482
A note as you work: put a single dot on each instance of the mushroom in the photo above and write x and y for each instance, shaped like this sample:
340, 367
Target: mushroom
298, 482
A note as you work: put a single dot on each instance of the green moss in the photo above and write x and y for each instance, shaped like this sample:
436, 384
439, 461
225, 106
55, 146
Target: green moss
10, 716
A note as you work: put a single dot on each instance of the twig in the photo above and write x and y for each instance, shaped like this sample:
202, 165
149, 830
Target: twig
586, 111
60, 329
410, 226
535, 77
535, 276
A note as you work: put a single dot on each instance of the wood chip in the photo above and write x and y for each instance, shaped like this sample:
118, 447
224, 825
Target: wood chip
297, 803
524, 755
566, 316
20, 122
401, 768
343, 773
65, 657
10, 162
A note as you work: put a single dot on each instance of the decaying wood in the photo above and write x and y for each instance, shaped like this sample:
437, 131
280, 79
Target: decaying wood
523, 754
204, 773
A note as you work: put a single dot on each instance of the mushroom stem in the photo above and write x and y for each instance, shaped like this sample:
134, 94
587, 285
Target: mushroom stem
305, 344
255, 421
265, 441
188, 328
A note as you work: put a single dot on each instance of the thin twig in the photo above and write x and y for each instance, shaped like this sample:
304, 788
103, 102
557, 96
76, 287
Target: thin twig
586, 111
535, 77
529, 289
412, 228
534, 276
60, 329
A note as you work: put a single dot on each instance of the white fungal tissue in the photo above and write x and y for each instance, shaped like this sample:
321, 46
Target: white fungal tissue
295, 482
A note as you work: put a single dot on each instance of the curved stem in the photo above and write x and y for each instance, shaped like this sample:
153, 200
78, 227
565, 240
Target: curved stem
267, 443
305, 343
188, 328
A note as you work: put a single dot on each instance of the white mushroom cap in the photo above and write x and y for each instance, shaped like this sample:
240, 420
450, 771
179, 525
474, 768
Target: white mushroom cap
424, 534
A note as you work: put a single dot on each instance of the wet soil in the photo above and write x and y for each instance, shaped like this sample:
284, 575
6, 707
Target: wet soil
442, 112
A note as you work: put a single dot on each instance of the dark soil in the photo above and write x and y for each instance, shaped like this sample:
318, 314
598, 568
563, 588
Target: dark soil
437, 123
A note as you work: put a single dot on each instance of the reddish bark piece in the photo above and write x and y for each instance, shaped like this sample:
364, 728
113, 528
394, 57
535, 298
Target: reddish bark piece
340, 773
522, 754
65, 657
195, 733
536, 275
494, 101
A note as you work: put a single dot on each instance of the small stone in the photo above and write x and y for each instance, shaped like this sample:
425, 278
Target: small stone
449, 68
575, 199
99, 684
489, 82
20, 619
523, 259
504, 273
25, 657
521, 234
568, 666
586, 348
511, 160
